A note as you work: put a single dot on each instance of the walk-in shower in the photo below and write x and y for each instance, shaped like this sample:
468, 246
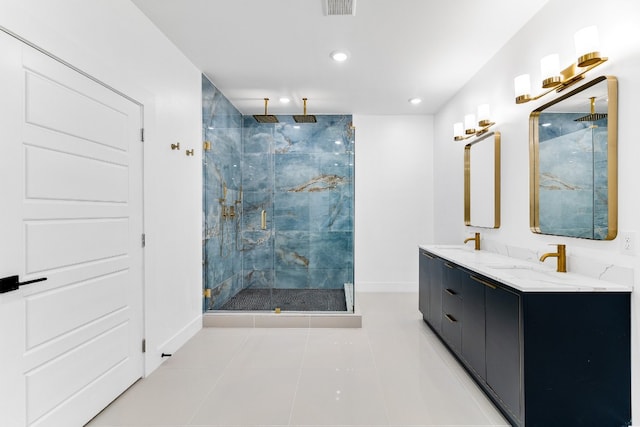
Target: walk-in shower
278, 210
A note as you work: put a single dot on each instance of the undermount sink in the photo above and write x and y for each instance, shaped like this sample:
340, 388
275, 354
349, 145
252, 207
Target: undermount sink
528, 273
455, 248
531, 273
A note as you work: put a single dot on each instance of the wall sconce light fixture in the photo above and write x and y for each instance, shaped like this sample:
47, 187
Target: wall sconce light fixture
588, 54
470, 127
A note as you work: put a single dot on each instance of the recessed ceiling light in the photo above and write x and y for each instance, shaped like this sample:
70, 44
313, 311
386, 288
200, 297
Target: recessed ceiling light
415, 101
339, 55
285, 100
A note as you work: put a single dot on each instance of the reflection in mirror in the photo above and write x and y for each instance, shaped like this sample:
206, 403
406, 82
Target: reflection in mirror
573, 154
482, 181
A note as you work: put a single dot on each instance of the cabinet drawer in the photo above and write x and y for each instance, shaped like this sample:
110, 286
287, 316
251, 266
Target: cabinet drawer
452, 330
451, 304
452, 280
452, 311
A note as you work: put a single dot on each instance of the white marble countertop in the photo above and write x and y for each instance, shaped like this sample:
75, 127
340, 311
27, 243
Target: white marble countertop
522, 275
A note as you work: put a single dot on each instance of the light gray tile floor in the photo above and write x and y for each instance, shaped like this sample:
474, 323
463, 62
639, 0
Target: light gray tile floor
392, 372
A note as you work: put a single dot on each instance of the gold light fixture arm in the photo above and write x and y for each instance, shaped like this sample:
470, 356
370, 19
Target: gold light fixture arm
484, 128
569, 76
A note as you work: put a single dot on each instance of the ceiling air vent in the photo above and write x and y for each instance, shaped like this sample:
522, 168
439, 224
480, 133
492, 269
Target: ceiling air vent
340, 7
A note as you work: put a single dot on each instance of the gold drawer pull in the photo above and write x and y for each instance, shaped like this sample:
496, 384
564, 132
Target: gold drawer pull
450, 292
427, 255
484, 283
450, 318
448, 265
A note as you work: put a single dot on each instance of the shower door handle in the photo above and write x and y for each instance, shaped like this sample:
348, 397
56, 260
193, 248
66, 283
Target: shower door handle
263, 220
12, 283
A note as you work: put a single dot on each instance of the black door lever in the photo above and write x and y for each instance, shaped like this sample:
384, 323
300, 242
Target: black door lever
12, 283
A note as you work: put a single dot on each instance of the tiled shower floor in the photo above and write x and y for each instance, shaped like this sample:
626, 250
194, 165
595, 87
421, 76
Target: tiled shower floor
288, 300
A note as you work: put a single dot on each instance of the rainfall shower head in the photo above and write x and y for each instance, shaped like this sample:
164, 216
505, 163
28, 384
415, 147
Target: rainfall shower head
265, 118
593, 117
305, 118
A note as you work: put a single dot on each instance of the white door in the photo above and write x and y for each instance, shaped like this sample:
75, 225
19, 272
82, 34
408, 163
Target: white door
70, 212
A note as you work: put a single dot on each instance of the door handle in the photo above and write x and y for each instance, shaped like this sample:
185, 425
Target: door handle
12, 283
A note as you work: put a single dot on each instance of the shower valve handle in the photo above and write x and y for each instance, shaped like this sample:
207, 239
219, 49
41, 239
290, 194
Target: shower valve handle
12, 283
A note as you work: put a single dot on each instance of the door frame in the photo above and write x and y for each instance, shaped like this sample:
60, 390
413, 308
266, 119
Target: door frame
146, 103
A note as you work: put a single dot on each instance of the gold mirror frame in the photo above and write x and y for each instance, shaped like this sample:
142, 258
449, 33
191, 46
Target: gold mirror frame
612, 158
496, 180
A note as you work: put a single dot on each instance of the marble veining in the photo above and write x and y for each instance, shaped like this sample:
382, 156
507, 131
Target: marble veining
300, 175
521, 275
222, 260
320, 183
573, 188
582, 264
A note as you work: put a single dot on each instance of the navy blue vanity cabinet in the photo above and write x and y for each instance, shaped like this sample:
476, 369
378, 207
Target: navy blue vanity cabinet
577, 359
425, 268
430, 289
503, 338
473, 327
452, 315
545, 359
435, 294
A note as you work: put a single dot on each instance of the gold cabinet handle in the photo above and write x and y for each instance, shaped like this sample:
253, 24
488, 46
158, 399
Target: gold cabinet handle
450, 318
450, 292
427, 255
484, 283
448, 265
263, 220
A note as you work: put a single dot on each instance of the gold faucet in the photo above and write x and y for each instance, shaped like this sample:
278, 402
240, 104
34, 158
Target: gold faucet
562, 258
476, 239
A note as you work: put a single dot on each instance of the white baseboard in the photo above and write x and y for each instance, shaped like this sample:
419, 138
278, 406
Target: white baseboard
153, 359
386, 287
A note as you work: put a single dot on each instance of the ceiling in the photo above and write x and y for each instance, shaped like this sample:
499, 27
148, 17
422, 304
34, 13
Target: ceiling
399, 49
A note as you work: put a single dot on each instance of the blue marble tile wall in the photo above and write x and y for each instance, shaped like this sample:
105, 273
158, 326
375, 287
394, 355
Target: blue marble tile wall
222, 194
301, 175
573, 176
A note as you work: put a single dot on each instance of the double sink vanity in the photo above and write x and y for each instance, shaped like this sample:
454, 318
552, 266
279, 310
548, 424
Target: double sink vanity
548, 348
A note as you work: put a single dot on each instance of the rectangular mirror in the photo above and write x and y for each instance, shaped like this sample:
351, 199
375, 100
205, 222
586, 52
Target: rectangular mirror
482, 181
573, 163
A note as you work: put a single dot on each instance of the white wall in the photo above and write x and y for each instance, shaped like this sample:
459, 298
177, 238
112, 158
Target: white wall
114, 42
551, 30
393, 199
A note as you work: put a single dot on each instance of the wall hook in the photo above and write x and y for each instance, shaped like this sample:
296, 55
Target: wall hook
175, 146
189, 152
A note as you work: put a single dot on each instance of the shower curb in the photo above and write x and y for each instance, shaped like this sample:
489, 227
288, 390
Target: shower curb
217, 319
